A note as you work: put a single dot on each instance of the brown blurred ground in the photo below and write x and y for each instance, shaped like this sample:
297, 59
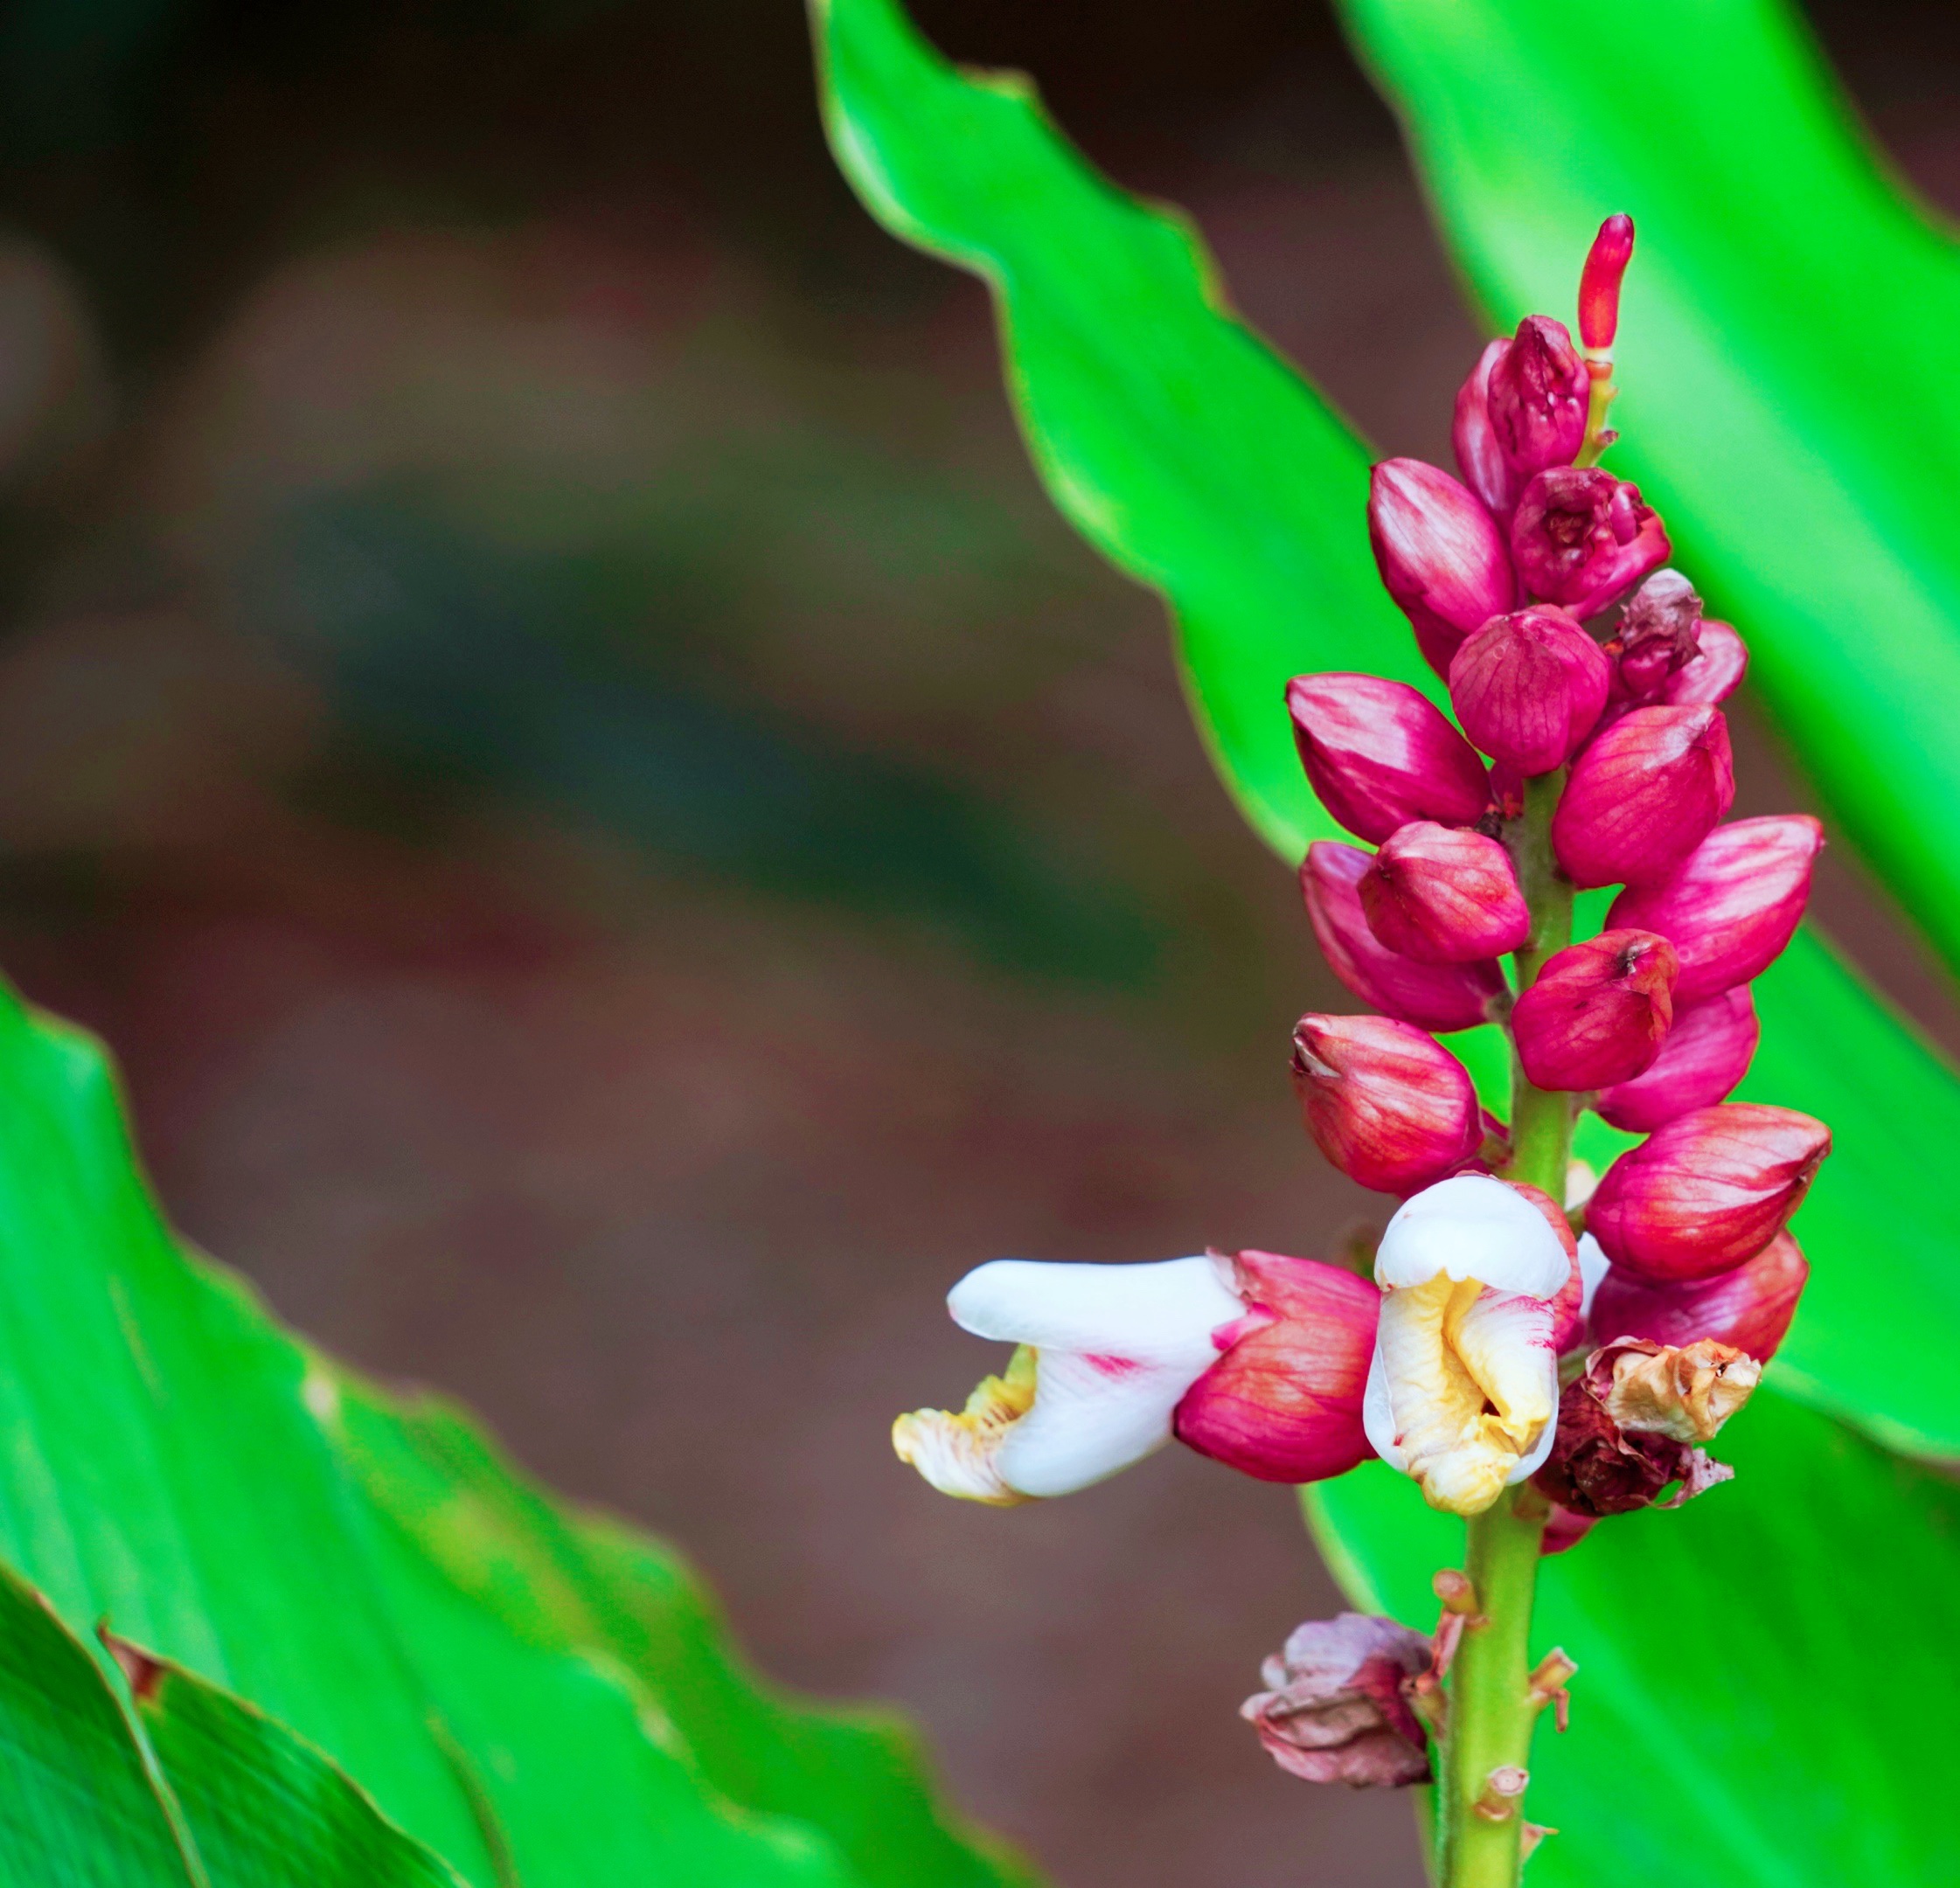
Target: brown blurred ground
621, 847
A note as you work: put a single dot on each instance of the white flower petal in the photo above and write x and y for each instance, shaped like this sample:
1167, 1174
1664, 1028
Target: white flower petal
1161, 1312
1472, 1226
1594, 1265
1092, 1416
1504, 1340
1378, 1416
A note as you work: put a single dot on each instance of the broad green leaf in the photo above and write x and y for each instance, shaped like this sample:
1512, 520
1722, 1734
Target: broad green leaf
1790, 399
80, 1804
1192, 456
173, 1468
1753, 1668
208, 1793
588, 1584
263, 1809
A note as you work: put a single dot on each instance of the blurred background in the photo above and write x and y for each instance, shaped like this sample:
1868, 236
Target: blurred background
621, 847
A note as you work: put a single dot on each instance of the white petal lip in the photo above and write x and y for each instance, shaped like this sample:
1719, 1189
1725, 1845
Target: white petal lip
1472, 1227
1092, 1416
1163, 1312
1117, 1346
1593, 1266
1378, 1416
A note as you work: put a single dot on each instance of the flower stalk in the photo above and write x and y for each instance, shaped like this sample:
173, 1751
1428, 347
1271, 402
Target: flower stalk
1494, 1706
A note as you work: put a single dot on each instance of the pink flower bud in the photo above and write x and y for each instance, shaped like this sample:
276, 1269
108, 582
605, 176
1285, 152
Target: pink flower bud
1441, 554
1284, 1403
1380, 755
1433, 996
1443, 894
1336, 1708
1581, 536
1732, 905
1384, 1101
1714, 674
1479, 456
1706, 1190
1528, 687
1658, 634
1643, 796
1749, 1307
1599, 283
1539, 390
1598, 1011
1706, 1052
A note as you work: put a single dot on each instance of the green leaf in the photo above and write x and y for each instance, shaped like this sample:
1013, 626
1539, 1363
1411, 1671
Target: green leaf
1186, 451
81, 1807
1790, 397
173, 1466
1753, 1668
208, 1793
587, 1584
263, 1808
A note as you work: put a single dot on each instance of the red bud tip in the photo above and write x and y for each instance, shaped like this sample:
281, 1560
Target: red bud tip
1529, 688
1599, 283
1379, 755
1598, 1012
1433, 996
1537, 391
1641, 799
1443, 894
1732, 903
1706, 1192
1284, 1402
1441, 554
1706, 1052
1384, 1100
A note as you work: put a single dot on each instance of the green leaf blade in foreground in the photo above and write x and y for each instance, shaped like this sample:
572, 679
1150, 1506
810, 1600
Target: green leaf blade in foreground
79, 1807
1791, 400
1245, 506
174, 1466
1751, 1667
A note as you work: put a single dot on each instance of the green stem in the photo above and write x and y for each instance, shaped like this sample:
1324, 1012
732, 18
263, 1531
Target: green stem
1491, 1708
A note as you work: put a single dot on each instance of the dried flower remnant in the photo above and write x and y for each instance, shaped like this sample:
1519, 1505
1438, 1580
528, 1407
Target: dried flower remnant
1336, 1706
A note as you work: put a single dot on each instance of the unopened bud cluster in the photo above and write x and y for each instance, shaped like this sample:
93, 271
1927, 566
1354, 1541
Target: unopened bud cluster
1537, 587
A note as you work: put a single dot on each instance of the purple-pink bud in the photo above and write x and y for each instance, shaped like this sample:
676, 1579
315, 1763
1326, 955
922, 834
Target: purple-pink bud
1443, 894
1529, 688
1380, 755
1643, 796
1706, 1190
1539, 391
1441, 554
1433, 996
1706, 1052
1714, 674
1732, 905
1658, 634
1599, 282
1284, 1403
1749, 1306
1479, 456
1598, 1011
1581, 536
1384, 1100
